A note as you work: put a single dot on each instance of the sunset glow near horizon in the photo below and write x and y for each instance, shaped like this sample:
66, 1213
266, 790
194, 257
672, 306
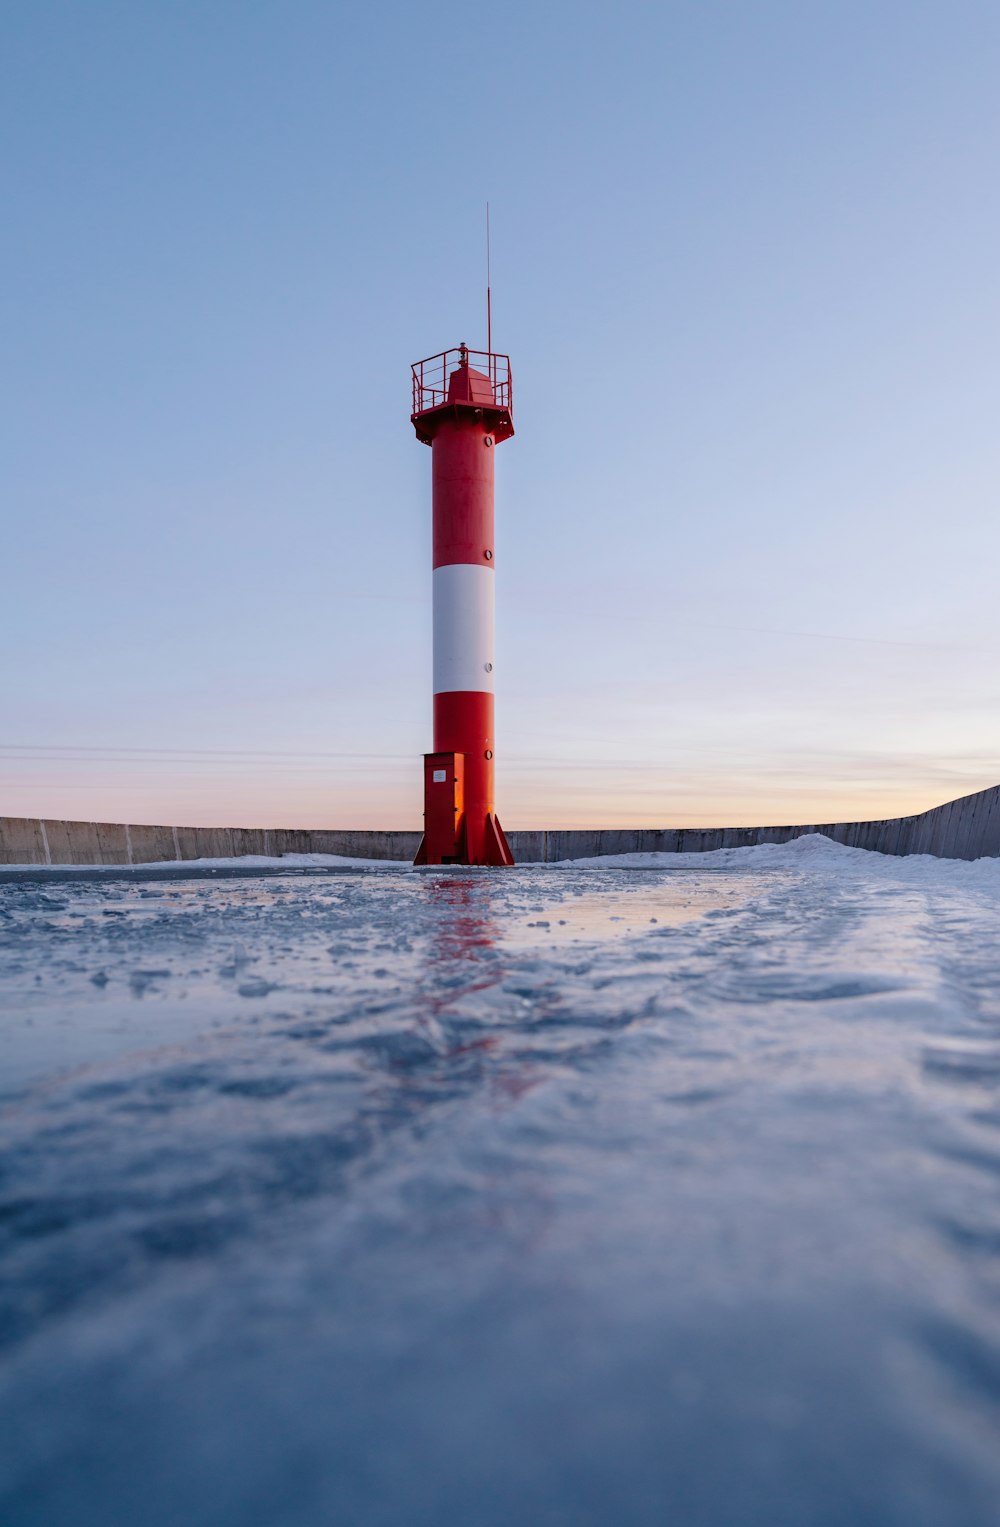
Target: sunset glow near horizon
747, 532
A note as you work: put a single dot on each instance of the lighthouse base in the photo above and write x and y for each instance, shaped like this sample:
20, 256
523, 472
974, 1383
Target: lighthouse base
452, 833
495, 850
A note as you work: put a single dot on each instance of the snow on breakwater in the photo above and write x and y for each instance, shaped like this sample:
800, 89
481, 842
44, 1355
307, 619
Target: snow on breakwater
814, 850
584, 1194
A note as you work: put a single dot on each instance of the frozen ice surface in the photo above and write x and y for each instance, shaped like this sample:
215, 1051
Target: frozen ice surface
665, 1192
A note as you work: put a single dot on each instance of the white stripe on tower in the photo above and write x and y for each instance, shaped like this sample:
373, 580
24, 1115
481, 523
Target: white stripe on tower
464, 604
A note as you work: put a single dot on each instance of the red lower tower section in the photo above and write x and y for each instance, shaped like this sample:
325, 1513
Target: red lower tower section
462, 412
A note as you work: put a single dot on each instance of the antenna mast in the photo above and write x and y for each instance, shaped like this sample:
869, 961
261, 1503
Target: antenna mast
489, 316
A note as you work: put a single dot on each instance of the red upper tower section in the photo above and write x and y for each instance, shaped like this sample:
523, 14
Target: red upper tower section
463, 383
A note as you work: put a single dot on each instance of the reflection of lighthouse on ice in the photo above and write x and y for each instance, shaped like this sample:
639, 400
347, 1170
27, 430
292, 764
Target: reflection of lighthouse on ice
462, 410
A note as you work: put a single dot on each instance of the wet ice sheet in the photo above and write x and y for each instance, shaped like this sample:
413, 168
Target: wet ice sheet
375, 1199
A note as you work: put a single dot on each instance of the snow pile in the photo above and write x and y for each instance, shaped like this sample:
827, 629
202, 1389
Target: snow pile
811, 851
286, 862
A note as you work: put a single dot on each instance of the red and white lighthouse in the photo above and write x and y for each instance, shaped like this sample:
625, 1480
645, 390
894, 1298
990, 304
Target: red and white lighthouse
462, 410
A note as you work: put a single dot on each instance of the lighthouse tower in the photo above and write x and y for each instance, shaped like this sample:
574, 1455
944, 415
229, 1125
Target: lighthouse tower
462, 410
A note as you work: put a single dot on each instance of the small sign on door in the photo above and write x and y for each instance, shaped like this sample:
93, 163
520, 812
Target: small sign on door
440, 776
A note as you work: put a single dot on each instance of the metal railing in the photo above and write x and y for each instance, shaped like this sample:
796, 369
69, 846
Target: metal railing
431, 377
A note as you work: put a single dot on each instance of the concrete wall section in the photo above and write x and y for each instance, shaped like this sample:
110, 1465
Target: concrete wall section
28, 841
22, 841
968, 828
551, 847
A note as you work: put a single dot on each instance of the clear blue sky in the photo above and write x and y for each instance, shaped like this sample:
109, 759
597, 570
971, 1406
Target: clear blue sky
746, 265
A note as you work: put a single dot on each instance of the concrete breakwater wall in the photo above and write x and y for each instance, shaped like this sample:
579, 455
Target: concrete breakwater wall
24, 840
967, 828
